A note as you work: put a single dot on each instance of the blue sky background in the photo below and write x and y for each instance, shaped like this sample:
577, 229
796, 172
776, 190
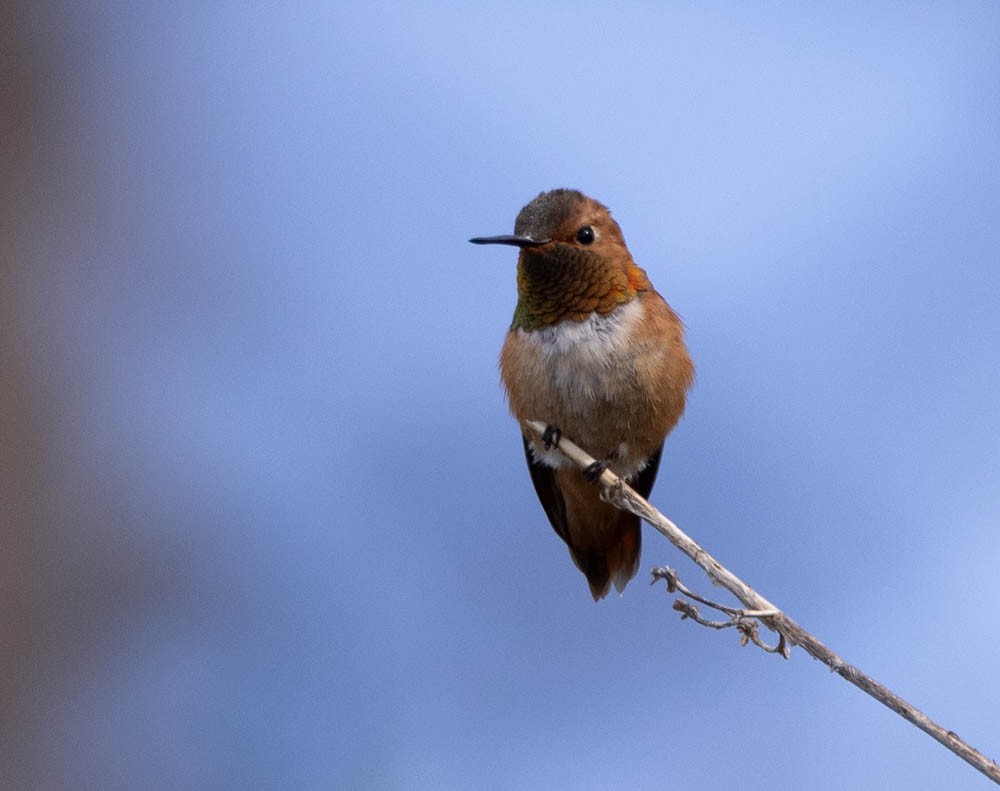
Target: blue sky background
269, 522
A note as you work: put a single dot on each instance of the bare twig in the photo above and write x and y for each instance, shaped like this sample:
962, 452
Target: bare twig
624, 497
744, 620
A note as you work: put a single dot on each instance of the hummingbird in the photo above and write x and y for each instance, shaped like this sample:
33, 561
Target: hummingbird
597, 355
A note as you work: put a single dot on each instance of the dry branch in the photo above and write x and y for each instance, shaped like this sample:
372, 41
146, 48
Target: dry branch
622, 496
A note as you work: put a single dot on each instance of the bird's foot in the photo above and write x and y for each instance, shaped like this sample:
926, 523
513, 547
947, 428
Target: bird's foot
551, 437
593, 472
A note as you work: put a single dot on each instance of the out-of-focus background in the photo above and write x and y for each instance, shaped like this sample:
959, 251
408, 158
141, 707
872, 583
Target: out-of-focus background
265, 519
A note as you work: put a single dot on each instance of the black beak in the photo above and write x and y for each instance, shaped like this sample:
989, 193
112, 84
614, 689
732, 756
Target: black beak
514, 241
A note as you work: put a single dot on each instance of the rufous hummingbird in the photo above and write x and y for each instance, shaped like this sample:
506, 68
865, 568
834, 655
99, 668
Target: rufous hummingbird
596, 354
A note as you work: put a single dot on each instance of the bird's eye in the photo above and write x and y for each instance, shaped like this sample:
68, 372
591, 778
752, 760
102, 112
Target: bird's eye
586, 235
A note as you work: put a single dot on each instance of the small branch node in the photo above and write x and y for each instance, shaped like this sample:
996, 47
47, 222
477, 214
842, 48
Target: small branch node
668, 575
614, 494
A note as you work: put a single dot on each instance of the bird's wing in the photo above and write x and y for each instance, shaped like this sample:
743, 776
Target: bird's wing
644, 481
544, 479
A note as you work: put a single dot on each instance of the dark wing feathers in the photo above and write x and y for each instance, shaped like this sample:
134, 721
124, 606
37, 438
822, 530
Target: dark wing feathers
544, 479
644, 481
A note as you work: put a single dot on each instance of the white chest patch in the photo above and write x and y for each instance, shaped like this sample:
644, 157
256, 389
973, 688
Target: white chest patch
584, 358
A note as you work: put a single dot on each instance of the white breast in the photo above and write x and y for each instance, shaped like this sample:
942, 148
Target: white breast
589, 359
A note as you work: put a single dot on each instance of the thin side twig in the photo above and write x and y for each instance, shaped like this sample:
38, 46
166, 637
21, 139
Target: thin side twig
743, 620
622, 496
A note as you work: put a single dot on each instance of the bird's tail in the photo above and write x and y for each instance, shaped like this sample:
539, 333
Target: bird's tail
605, 543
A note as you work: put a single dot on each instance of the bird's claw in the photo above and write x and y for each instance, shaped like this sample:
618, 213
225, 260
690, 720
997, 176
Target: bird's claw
593, 471
551, 437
